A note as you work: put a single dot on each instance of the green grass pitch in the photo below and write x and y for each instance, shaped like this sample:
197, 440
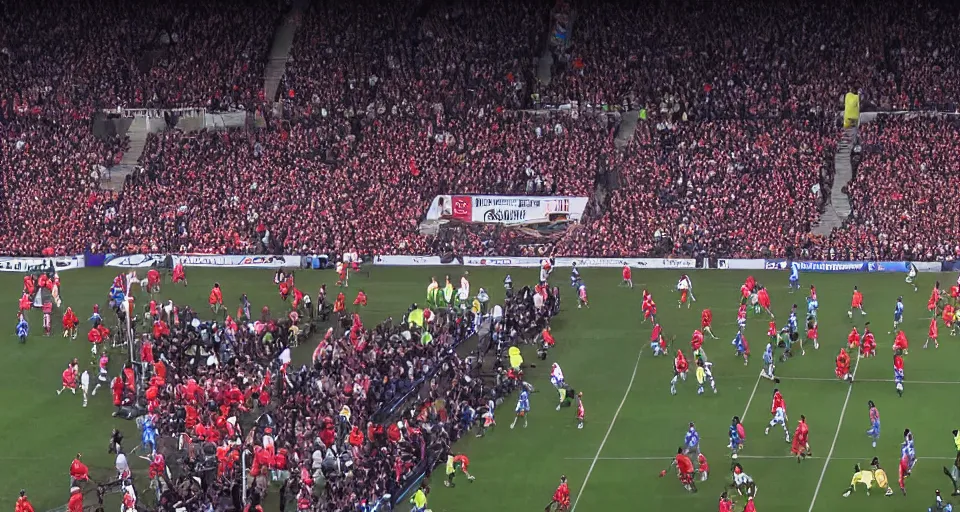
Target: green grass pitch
633, 423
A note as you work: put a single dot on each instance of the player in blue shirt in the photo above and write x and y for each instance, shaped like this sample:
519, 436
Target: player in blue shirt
812, 306
897, 314
741, 346
769, 368
874, 431
736, 440
523, 406
908, 449
794, 276
574, 275
23, 329
792, 323
691, 441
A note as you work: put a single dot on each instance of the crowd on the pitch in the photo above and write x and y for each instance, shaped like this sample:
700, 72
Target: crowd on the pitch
378, 403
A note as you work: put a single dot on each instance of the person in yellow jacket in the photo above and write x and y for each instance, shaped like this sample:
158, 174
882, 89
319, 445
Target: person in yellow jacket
419, 499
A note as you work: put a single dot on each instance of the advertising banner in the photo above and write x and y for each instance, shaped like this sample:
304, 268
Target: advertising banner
533, 262
18, 264
950, 266
510, 210
134, 260
204, 260
853, 266
402, 261
736, 264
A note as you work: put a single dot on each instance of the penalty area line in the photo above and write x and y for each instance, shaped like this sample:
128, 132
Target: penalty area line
606, 436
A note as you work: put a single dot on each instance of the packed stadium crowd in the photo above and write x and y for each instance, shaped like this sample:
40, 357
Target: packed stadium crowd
388, 105
895, 216
775, 59
114, 54
398, 101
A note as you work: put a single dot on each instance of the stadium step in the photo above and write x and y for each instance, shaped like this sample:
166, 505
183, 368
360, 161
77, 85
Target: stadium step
628, 127
838, 205
280, 51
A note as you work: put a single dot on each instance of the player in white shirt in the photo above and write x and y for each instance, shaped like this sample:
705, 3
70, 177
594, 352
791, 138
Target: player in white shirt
85, 385
685, 287
123, 467
556, 378
743, 482
546, 268
464, 292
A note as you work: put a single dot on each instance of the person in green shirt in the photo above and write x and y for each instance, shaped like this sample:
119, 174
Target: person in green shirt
419, 499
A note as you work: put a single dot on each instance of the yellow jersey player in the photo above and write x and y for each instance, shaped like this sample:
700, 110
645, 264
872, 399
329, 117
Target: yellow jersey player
881, 477
859, 477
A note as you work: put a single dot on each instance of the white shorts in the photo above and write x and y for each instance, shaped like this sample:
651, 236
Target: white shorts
779, 417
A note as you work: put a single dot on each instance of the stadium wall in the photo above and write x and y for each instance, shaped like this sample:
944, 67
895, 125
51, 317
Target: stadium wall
61, 263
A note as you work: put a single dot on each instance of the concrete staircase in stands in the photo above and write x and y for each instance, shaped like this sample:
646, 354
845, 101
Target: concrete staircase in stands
838, 204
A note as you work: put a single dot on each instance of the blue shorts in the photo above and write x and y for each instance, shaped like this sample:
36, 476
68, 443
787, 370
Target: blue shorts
898, 318
874, 429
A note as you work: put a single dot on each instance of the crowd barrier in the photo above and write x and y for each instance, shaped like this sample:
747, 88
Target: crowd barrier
60, 263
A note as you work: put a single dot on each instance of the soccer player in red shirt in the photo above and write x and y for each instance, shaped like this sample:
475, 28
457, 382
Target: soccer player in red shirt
685, 470
179, 274
853, 340
696, 345
903, 472
703, 466
763, 299
932, 334
725, 504
47, 317
868, 344
68, 379
561, 497
947, 316
800, 446
216, 298
627, 277
23, 503
706, 319
812, 329
361, 299
647, 306
153, 281
657, 343
856, 303
843, 365
900, 343
78, 472
680, 368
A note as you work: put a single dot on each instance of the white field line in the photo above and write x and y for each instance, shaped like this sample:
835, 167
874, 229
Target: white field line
756, 457
833, 445
609, 430
750, 400
828, 379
